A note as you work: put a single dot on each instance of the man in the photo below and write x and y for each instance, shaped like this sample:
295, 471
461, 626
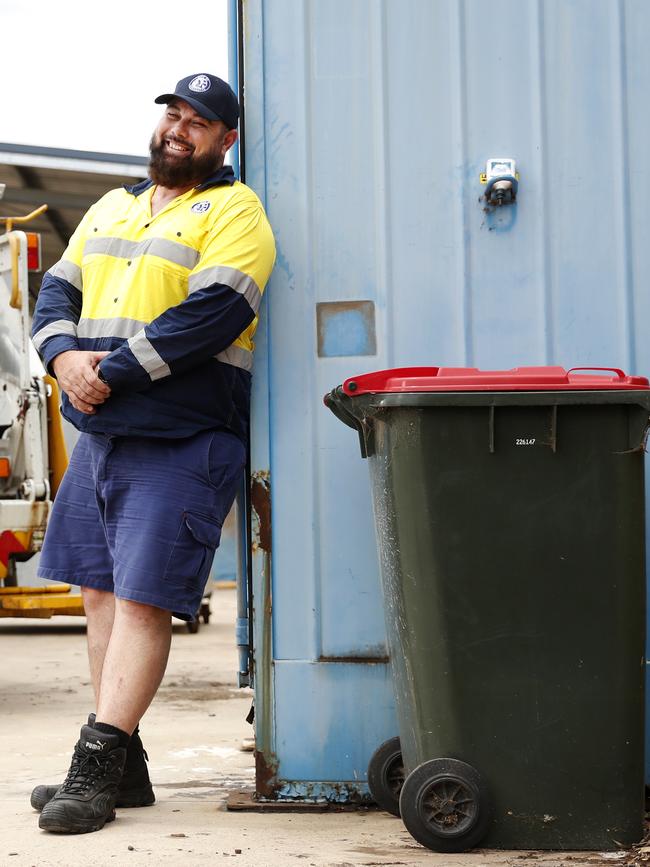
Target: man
147, 323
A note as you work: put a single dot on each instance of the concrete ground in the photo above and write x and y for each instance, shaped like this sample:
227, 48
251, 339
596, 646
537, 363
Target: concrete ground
193, 733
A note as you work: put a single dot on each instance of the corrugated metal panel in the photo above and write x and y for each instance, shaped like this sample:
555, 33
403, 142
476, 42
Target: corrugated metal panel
368, 124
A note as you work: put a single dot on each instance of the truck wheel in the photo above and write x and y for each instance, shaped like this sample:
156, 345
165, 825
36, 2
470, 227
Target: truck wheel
445, 805
386, 775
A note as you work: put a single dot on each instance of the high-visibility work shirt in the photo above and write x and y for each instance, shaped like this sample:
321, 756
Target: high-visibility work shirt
174, 299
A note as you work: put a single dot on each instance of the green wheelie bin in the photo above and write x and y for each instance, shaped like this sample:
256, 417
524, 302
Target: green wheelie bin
509, 513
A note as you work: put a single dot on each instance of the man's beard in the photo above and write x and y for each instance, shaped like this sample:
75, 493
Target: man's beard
173, 174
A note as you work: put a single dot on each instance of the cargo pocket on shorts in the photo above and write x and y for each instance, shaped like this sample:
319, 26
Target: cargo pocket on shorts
191, 557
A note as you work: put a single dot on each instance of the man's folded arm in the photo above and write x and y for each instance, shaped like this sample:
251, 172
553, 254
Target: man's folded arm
54, 328
224, 296
58, 306
203, 325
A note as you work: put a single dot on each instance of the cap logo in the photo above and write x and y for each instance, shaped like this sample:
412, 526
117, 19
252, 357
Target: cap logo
200, 83
200, 207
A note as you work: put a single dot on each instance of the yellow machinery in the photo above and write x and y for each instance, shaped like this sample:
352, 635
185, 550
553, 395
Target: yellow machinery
33, 455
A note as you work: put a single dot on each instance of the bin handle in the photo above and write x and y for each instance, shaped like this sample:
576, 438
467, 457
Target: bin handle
620, 373
333, 403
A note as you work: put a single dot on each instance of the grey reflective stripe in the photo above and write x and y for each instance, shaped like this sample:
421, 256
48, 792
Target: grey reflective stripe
67, 271
148, 357
118, 327
54, 329
172, 251
237, 280
237, 356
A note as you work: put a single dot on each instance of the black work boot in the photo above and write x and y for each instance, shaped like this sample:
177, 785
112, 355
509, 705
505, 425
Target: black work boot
86, 799
135, 786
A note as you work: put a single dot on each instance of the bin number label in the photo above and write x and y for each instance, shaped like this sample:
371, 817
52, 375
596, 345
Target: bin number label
525, 441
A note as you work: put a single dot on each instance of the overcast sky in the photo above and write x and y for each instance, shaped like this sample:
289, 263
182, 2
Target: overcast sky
81, 74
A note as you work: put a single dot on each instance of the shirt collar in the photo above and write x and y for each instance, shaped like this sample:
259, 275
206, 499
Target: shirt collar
224, 175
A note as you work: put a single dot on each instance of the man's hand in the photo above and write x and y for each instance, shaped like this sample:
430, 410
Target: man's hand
75, 371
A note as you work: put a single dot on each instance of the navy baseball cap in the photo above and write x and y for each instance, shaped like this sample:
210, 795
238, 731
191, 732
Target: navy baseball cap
213, 98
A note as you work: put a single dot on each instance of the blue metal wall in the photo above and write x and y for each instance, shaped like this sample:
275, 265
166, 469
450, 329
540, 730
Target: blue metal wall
368, 123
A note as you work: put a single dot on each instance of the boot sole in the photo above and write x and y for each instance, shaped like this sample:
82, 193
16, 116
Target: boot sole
142, 798
59, 823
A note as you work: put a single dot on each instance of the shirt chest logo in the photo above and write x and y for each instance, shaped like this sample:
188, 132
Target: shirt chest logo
200, 207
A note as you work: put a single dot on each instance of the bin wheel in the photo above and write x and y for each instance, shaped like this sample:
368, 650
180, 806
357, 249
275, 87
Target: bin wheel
193, 626
445, 805
386, 775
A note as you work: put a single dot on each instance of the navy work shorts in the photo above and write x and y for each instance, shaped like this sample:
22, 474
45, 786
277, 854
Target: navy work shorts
142, 518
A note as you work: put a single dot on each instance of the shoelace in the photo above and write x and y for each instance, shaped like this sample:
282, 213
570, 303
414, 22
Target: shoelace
82, 773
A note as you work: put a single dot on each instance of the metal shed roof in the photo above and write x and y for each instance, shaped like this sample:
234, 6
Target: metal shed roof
68, 181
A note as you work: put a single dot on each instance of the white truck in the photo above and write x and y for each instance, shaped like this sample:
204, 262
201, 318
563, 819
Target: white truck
32, 450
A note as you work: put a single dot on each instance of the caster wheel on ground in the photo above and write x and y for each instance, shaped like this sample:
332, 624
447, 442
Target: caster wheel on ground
193, 626
445, 805
205, 612
386, 775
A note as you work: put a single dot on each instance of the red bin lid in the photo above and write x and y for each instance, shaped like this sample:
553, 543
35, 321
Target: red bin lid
419, 379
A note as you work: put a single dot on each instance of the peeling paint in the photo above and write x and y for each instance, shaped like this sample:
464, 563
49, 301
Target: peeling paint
261, 502
266, 768
266, 763
317, 792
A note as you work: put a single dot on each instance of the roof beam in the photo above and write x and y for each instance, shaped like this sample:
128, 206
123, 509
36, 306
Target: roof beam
74, 201
16, 157
54, 218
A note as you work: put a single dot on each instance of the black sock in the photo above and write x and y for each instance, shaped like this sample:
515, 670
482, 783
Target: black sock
113, 730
